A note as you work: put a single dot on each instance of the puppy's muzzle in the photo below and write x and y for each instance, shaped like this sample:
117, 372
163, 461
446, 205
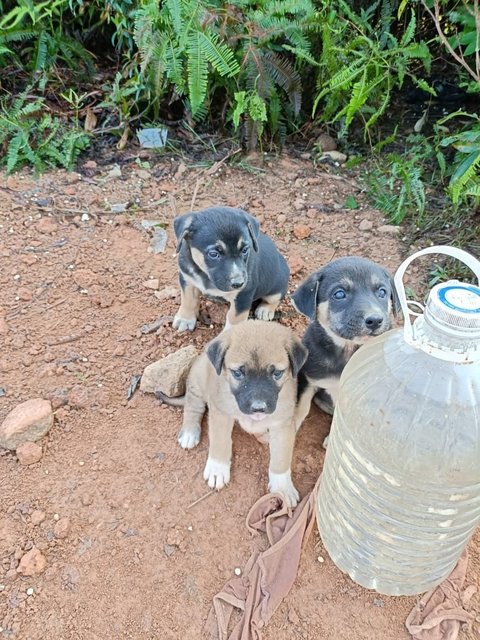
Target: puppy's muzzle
373, 323
237, 283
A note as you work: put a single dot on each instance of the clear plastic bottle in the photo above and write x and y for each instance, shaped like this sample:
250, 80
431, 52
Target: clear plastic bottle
399, 496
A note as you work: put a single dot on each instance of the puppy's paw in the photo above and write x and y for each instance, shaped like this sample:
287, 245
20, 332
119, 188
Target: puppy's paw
282, 483
217, 474
189, 437
183, 324
264, 312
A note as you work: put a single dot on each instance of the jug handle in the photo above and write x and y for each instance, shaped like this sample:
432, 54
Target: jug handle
453, 252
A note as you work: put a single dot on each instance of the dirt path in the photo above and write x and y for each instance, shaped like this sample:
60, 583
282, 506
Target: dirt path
139, 561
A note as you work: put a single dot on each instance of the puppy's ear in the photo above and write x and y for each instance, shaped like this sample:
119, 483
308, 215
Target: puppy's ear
297, 354
305, 297
253, 227
216, 351
396, 306
182, 226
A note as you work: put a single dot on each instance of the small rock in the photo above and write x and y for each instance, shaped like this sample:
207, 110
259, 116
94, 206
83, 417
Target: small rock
90, 164
167, 293
29, 453
27, 422
32, 563
281, 218
326, 142
378, 602
365, 225
389, 229
169, 549
169, 374
79, 397
334, 156
46, 225
299, 204
301, 231
120, 207
29, 259
153, 283
24, 294
37, 517
62, 528
293, 617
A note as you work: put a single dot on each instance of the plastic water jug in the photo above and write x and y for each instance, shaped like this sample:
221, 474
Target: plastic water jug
399, 496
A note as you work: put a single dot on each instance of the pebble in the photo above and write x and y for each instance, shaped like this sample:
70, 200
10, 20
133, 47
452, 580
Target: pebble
169, 374
321, 559
32, 563
27, 422
37, 517
167, 293
153, 283
365, 225
389, 229
62, 528
301, 231
24, 294
237, 571
46, 225
30, 591
29, 453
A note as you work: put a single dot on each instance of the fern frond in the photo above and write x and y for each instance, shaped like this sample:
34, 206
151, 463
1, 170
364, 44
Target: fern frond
358, 97
220, 56
41, 51
197, 68
409, 32
17, 141
285, 76
465, 172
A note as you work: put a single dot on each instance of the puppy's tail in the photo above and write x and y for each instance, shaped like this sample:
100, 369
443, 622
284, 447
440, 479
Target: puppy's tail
173, 402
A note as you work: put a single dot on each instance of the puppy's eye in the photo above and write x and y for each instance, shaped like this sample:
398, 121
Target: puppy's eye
245, 251
213, 253
237, 374
339, 294
382, 292
277, 374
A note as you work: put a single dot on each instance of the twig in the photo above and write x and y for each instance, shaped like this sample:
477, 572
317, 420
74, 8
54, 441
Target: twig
202, 498
194, 197
64, 339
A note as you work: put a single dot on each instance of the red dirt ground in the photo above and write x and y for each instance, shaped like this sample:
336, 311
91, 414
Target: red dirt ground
141, 560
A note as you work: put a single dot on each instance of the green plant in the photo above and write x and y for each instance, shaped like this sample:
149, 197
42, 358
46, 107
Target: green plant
396, 185
30, 135
362, 62
465, 171
240, 52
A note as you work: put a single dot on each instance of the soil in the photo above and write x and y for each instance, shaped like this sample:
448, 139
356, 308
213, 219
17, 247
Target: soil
146, 545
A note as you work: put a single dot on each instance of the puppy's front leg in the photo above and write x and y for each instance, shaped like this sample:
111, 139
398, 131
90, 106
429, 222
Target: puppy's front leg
279, 472
303, 405
239, 310
217, 469
189, 435
186, 317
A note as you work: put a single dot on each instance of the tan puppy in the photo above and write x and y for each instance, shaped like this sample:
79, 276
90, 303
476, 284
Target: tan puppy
247, 374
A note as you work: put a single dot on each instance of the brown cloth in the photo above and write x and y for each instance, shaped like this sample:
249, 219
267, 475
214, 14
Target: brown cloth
268, 576
440, 612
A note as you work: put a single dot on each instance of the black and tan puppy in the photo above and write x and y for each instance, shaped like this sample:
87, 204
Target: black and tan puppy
247, 374
223, 254
348, 301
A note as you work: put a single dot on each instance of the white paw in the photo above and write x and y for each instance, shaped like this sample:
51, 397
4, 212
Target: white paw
264, 313
189, 438
282, 483
184, 324
217, 474
325, 442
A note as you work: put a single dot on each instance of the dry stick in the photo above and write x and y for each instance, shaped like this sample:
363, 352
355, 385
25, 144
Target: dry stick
202, 498
65, 339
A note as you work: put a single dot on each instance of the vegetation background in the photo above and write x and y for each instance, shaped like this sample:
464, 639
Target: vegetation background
395, 82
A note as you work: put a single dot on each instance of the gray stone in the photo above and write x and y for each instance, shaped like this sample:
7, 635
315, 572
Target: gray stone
27, 422
365, 225
389, 229
169, 374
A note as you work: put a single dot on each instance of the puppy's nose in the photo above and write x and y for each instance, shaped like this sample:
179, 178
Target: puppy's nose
373, 322
259, 406
236, 283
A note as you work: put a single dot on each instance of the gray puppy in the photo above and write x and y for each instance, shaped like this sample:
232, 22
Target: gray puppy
223, 254
349, 301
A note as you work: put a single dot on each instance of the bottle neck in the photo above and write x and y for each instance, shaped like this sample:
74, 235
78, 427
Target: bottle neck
445, 344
